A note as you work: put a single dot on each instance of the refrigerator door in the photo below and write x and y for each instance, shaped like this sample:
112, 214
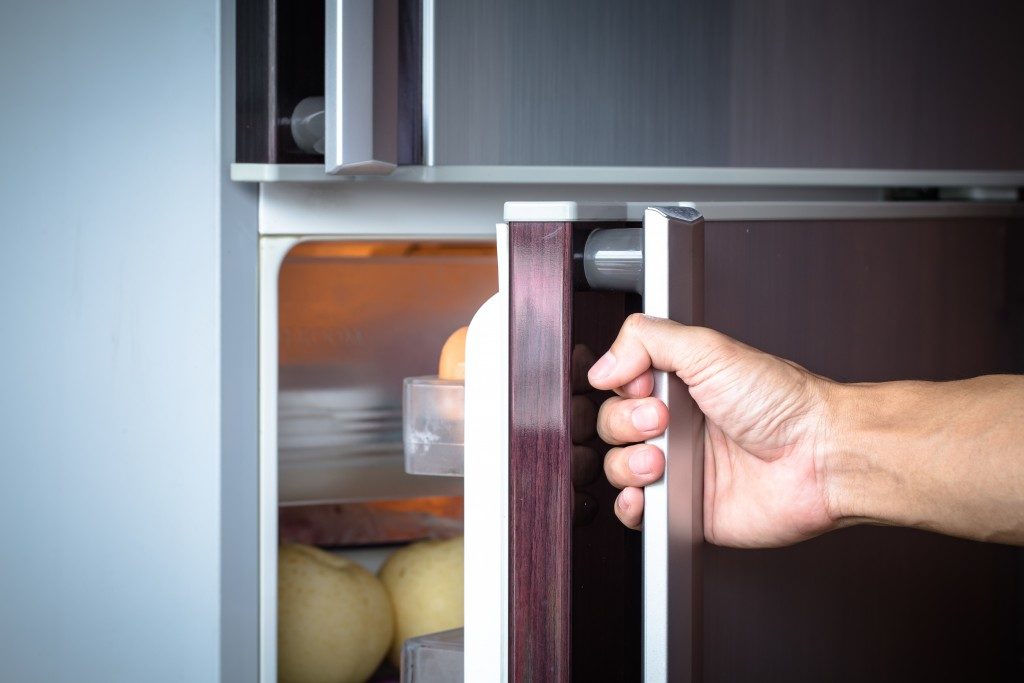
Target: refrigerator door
864, 293
853, 291
699, 83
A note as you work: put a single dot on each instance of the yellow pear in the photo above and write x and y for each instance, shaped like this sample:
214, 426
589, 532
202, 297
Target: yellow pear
424, 581
334, 622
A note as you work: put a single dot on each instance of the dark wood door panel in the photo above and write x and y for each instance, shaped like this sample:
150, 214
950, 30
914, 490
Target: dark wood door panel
606, 556
858, 301
864, 300
540, 487
574, 571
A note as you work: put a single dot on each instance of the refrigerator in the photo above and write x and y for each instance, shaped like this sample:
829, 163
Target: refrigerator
837, 185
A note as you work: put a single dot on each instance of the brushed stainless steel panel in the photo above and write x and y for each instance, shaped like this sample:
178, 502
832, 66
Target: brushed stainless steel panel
916, 84
570, 82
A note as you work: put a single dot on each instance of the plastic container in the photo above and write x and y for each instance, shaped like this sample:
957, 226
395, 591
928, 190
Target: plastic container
433, 426
434, 658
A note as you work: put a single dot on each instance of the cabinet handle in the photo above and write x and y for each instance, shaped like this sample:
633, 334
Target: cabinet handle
361, 89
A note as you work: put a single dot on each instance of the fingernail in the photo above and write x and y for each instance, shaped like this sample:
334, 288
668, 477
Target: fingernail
603, 367
640, 462
645, 418
622, 504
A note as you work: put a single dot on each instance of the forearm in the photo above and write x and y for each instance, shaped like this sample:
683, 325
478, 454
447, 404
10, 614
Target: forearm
944, 456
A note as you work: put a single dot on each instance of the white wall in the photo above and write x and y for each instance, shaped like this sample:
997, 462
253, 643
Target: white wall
111, 202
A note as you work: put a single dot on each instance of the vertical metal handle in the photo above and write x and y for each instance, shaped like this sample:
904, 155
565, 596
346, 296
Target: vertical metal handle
673, 507
361, 88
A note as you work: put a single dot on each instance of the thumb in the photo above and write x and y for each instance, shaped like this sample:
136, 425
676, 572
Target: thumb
645, 342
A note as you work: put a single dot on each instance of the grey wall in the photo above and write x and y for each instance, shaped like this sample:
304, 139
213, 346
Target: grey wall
112, 340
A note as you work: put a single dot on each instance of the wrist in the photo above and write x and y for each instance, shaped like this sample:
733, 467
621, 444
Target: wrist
857, 487
929, 455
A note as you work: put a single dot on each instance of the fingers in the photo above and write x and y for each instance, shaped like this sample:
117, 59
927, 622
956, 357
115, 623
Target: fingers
628, 420
582, 360
640, 387
630, 468
645, 342
637, 465
629, 507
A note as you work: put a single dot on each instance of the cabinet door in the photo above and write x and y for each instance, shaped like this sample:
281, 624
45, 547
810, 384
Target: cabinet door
858, 293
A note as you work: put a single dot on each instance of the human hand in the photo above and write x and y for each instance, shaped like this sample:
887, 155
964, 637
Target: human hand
766, 436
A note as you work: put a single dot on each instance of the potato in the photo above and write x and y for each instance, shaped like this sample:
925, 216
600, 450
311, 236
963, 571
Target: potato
334, 622
424, 581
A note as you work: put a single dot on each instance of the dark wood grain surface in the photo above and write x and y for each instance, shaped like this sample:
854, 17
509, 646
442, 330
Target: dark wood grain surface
299, 70
606, 556
540, 487
575, 581
279, 52
856, 301
255, 97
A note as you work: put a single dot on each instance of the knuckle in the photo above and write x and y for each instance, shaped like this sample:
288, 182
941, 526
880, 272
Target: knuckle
604, 431
634, 324
612, 421
634, 319
629, 508
605, 410
609, 468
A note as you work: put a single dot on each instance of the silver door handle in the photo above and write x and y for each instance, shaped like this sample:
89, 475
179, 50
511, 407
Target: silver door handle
361, 89
673, 507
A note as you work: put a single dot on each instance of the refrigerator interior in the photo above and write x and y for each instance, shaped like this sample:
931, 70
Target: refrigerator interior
355, 318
